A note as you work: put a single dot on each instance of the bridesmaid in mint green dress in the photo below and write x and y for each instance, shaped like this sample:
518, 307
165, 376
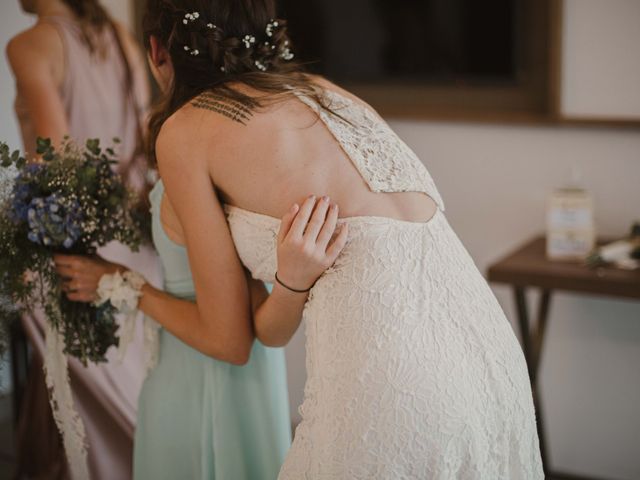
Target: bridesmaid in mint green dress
215, 407
201, 418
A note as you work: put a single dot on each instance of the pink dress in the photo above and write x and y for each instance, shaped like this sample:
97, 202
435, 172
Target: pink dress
98, 106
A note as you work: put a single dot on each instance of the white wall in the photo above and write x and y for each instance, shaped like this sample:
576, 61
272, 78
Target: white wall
600, 57
12, 21
121, 10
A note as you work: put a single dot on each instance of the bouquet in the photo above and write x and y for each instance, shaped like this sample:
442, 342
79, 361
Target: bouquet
70, 202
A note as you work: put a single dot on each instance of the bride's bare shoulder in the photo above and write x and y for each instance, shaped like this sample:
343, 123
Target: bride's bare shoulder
205, 118
228, 112
209, 125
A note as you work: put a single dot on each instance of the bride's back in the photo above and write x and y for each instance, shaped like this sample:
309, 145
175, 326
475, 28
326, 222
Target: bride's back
266, 160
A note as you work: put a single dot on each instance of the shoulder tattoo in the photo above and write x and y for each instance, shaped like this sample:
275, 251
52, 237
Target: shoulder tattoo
224, 106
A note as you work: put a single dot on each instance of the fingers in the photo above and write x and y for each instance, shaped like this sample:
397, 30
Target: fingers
65, 271
78, 284
338, 243
302, 218
77, 291
316, 221
83, 297
79, 277
66, 260
287, 221
328, 227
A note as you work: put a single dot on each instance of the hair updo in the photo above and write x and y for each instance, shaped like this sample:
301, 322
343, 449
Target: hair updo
214, 48
216, 43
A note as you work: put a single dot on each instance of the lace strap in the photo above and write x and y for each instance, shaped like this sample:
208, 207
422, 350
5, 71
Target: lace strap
383, 160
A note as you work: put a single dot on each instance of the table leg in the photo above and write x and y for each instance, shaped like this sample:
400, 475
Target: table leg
538, 339
532, 348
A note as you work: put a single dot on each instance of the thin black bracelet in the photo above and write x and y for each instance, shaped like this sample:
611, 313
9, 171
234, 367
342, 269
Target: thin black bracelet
293, 289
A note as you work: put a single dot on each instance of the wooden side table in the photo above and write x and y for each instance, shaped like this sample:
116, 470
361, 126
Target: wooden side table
529, 267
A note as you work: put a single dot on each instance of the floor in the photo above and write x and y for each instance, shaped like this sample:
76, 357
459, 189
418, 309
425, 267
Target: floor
6, 438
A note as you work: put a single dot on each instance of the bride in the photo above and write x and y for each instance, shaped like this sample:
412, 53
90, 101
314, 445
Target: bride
413, 369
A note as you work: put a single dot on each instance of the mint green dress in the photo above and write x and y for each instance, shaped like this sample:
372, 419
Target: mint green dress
200, 418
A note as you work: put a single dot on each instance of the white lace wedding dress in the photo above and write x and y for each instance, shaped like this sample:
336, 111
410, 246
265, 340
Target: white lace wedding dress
413, 370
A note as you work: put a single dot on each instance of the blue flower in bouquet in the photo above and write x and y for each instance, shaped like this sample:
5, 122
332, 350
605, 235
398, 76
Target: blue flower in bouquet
21, 200
24, 190
54, 223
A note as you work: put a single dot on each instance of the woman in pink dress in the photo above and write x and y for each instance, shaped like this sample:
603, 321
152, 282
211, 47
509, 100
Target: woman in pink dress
81, 74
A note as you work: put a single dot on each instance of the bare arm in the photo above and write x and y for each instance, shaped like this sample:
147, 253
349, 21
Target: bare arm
219, 323
36, 58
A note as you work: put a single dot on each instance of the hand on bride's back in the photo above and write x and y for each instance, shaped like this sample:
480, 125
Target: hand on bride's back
307, 245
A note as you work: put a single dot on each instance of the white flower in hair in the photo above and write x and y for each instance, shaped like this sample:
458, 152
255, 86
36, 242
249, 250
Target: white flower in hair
286, 53
271, 26
248, 40
190, 17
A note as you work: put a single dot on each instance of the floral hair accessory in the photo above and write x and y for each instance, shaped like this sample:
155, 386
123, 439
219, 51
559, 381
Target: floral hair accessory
248, 40
286, 53
271, 26
190, 17
200, 33
193, 52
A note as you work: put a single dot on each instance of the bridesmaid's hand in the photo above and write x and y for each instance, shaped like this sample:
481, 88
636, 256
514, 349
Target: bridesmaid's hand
305, 245
80, 275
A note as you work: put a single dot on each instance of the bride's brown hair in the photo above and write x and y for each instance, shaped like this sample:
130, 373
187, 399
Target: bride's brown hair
216, 43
